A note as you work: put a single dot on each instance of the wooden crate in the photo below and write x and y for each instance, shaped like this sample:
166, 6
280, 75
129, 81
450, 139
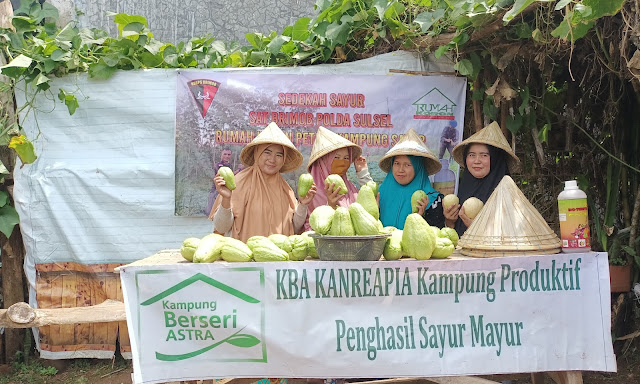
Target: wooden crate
68, 285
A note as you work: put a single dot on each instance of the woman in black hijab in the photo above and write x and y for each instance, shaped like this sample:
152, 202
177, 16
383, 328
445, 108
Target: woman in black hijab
486, 157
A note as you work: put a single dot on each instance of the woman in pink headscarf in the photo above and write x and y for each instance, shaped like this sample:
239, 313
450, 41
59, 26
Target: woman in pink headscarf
333, 154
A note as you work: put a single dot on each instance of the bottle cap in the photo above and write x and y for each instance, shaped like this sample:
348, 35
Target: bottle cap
571, 184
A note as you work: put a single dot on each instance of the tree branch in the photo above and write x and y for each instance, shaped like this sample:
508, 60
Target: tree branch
635, 217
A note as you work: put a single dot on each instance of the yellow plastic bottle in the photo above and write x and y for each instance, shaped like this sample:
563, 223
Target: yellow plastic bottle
574, 219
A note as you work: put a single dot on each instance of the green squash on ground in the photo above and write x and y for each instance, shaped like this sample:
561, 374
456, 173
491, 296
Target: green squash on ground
189, 247
451, 234
311, 244
234, 251
282, 241
367, 199
393, 246
320, 219
444, 248
341, 224
363, 223
299, 246
209, 249
265, 250
418, 239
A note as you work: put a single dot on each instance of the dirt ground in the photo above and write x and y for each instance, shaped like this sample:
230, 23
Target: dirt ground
118, 371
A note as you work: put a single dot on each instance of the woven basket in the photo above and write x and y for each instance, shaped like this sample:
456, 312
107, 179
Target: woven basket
349, 248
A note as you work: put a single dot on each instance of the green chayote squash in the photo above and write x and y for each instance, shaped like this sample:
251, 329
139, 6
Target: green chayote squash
229, 178
305, 181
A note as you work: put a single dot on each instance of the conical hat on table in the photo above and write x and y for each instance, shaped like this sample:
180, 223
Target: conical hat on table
272, 134
508, 225
490, 135
411, 144
327, 141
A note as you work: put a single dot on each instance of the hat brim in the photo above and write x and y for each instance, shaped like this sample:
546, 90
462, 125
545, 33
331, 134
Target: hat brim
431, 164
356, 151
327, 141
292, 162
411, 144
489, 135
513, 162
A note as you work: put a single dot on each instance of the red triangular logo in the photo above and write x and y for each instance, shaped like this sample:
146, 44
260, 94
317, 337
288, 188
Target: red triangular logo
203, 92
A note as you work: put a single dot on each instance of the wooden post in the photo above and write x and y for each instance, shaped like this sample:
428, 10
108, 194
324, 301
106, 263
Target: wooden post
566, 377
537, 378
12, 248
12, 288
477, 107
504, 112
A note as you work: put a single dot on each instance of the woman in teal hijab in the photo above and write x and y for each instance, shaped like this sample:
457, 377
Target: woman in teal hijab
408, 165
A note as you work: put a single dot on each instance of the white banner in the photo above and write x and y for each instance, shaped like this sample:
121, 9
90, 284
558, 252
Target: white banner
405, 318
224, 111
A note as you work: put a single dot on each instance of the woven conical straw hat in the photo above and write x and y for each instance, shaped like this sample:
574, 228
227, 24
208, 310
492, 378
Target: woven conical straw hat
272, 134
411, 144
328, 141
491, 135
508, 225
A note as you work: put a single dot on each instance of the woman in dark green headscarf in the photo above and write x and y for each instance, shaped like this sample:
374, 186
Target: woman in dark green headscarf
408, 165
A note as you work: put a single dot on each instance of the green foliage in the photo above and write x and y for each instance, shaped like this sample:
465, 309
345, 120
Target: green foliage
342, 30
580, 16
28, 373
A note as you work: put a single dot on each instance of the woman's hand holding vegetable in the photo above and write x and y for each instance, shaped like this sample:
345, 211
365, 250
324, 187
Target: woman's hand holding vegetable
451, 214
223, 191
422, 205
333, 196
309, 196
465, 219
360, 163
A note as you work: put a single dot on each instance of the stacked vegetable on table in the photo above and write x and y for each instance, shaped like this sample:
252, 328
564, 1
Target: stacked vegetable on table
417, 240
276, 247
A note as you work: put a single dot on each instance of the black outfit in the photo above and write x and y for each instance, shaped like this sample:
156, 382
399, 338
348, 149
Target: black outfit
434, 214
481, 188
451, 133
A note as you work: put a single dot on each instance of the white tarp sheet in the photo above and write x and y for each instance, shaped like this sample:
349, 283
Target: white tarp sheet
102, 188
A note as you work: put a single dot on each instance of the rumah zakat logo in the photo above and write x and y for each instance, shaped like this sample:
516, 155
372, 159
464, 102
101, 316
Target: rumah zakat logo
434, 105
203, 92
201, 313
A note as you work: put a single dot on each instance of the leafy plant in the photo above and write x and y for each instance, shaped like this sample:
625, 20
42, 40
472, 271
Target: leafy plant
33, 372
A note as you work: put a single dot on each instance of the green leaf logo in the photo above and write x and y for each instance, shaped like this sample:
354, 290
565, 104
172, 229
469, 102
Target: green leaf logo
243, 341
237, 339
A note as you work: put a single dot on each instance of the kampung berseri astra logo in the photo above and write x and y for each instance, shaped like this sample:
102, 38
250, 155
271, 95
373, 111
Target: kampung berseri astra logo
189, 319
